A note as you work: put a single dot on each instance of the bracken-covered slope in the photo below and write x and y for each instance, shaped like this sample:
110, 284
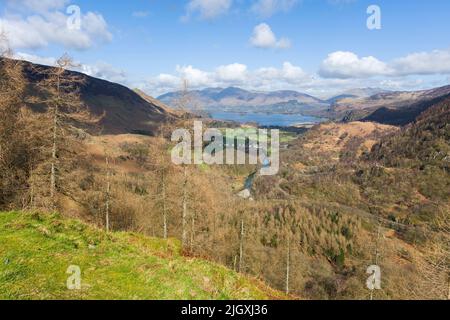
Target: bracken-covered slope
37, 249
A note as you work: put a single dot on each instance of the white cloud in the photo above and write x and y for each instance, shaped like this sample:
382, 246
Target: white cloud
207, 9
48, 61
235, 72
44, 24
288, 74
344, 65
195, 77
104, 71
423, 63
263, 37
267, 8
99, 70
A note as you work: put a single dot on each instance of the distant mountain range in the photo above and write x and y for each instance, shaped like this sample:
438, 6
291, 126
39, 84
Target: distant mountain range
282, 101
395, 108
367, 104
126, 111
236, 99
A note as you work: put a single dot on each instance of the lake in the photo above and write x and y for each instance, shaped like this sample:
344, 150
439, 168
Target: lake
264, 119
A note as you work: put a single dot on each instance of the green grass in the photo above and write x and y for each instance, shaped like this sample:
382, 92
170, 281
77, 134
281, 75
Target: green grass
36, 250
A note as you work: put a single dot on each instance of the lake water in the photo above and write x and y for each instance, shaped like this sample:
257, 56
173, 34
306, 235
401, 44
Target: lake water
264, 119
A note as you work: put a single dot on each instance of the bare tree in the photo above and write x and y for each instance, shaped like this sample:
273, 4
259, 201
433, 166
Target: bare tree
60, 94
108, 193
288, 263
241, 246
15, 146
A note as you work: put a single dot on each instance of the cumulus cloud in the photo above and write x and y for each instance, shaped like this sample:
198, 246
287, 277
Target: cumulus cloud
342, 64
196, 77
263, 37
207, 9
45, 23
236, 74
288, 74
423, 63
99, 70
267, 8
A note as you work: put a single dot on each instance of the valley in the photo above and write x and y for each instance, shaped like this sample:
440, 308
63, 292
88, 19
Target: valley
348, 194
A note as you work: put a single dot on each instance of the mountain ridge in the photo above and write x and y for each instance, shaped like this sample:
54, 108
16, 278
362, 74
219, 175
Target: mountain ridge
120, 109
234, 97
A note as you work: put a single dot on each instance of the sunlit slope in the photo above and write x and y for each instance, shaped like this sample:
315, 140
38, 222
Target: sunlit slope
37, 249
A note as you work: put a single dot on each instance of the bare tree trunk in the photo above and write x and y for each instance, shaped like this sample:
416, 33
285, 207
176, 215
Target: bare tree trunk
163, 177
184, 231
108, 193
192, 232
53, 161
288, 265
241, 246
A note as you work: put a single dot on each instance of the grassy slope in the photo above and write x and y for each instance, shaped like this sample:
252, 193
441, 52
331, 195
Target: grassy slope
36, 250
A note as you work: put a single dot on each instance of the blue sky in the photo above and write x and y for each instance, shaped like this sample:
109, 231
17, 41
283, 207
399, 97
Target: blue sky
316, 46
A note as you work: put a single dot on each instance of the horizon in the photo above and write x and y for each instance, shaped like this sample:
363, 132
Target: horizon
321, 48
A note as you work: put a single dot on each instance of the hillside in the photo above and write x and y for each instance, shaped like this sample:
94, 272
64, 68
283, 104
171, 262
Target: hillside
37, 249
121, 109
396, 180
394, 108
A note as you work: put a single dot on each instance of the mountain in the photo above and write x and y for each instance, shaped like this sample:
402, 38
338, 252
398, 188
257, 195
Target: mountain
426, 142
355, 94
121, 109
233, 98
396, 107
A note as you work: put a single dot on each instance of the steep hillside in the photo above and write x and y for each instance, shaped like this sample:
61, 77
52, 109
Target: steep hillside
394, 108
122, 109
416, 161
396, 181
36, 251
425, 142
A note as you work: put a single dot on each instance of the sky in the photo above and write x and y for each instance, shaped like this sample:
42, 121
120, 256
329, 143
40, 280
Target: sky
320, 47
